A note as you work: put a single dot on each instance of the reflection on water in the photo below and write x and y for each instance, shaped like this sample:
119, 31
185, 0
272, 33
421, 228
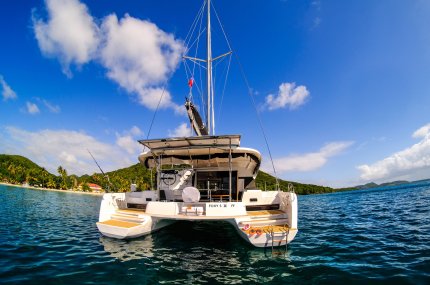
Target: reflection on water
197, 252
126, 250
192, 239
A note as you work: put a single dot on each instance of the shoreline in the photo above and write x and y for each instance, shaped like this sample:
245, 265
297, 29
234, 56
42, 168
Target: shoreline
51, 189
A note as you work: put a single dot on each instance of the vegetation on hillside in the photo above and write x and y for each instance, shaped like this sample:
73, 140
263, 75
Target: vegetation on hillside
16, 169
268, 182
120, 180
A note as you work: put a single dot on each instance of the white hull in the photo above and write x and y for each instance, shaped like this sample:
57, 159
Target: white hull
261, 228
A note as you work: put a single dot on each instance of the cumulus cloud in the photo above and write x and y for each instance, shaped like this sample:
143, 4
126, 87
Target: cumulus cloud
183, 130
422, 132
32, 108
140, 57
128, 141
52, 148
135, 131
137, 55
69, 34
288, 95
6, 91
309, 161
410, 163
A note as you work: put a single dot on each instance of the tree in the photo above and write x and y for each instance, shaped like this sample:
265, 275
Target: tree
63, 173
86, 188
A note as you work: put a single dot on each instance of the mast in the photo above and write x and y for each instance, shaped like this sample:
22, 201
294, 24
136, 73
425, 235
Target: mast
210, 113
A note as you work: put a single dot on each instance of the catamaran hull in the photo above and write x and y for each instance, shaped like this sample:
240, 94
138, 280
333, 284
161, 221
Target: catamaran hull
264, 228
129, 231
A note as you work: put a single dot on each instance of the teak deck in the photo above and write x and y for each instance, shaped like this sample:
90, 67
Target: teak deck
121, 224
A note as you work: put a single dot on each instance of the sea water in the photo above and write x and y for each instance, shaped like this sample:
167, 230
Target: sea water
379, 236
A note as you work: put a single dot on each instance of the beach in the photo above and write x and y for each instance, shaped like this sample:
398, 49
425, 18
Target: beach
51, 189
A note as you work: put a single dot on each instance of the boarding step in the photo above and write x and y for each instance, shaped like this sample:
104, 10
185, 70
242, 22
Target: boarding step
266, 214
264, 222
130, 212
119, 224
268, 217
121, 229
127, 218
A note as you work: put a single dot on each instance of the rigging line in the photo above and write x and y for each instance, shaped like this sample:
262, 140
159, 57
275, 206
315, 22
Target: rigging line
198, 42
219, 61
198, 37
155, 113
225, 84
222, 28
201, 31
258, 116
190, 94
188, 70
199, 91
194, 24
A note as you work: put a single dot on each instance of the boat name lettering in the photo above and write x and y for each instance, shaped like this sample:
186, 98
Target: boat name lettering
221, 205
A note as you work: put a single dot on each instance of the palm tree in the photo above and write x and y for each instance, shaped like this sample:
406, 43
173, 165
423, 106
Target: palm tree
44, 175
51, 183
63, 173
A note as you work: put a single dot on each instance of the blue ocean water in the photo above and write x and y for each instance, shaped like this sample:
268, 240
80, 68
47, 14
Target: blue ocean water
378, 236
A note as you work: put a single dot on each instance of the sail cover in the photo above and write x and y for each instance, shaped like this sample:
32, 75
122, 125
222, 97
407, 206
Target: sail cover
195, 119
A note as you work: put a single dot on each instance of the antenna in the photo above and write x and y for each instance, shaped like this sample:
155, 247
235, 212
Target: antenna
104, 174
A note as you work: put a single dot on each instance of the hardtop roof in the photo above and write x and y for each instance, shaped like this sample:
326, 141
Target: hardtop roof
223, 141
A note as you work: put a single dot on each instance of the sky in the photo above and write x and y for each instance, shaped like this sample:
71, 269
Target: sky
341, 88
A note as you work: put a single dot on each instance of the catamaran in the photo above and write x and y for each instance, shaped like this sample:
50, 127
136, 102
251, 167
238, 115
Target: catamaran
205, 177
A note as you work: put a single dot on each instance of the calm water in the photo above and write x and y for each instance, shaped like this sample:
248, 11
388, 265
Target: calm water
374, 236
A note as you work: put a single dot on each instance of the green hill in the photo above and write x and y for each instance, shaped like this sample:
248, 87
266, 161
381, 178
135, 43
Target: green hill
268, 182
17, 169
120, 180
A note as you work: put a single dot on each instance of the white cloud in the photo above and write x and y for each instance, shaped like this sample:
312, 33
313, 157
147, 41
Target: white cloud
183, 130
140, 57
129, 144
308, 161
70, 33
288, 95
32, 108
410, 163
135, 131
52, 148
51, 107
7, 91
422, 132
150, 97
128, 140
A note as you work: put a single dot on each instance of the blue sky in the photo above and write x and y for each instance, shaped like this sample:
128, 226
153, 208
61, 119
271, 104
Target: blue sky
342, 87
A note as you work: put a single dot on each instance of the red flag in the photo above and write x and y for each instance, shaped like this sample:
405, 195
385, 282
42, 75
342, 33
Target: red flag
191, 82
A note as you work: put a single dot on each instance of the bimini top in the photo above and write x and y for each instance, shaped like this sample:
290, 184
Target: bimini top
202, 152
228, 141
